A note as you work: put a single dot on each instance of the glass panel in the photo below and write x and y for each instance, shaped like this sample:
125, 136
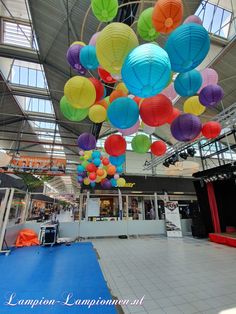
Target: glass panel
32, 77
23, 76
216, 23
224, 32
17, 34
40, 79
15, 74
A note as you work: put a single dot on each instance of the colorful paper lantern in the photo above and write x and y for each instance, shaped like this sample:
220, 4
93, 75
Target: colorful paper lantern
102, 103
193, 19
86, 141
211, 129
80, 92
158, 148
209, 76
141, 144
167, 15
111, 170
211, 95
97, 162
115, 145
105, 161
175, 113
146, 70
121, 182
121, 86
116, 176
73, 58
80, 168
116, 94
188, 83
92, 176
145, 27
93, 39
123, 113
104, 10
100, 172
132, 130
113, 182
106, 184
114, 43
96, 154
192, 105
72, 113
97, 114
88, 58
186, 127
119, 169
117, 161
156, 110
187, 47
86, 181
91, 167
106, 76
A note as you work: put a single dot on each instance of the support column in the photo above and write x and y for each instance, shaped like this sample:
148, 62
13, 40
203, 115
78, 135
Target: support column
156, 206
213, 207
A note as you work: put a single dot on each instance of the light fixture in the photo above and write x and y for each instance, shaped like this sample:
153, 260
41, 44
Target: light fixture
191, 151
166, 164
183, 155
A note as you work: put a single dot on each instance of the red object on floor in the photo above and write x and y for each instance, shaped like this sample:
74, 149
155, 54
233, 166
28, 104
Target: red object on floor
27, 237
230, 229
223, 239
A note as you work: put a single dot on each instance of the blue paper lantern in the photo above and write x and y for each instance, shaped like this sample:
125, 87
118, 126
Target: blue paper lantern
88, 58
97, 162
188, 83
146, 70
96, 154
117, 161
92, 184
119, 169
187, 47
80, 168
123, 113
113, 182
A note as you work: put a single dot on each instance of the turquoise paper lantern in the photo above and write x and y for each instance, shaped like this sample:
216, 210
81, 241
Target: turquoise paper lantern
187, 47
188, 83
117, 161
146, 70
88, 58
123, 113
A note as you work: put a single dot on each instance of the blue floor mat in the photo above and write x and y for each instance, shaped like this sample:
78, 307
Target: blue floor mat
52, 277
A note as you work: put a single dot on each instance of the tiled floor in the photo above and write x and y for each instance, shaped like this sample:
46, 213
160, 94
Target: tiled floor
175, 275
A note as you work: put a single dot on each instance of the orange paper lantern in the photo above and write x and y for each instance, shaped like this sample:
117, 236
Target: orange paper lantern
167, 15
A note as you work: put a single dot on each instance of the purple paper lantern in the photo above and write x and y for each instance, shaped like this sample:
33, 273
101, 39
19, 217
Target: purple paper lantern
211, 95
186, 127
106, 184
73, 58
86, 141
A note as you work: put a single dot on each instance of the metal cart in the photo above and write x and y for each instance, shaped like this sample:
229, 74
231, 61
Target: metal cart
48, 233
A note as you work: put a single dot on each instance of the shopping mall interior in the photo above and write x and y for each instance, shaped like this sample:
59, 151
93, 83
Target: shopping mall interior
118, 156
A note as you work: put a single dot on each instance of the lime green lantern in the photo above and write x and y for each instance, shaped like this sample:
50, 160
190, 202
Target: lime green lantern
72, 113
104, 10
141, 144
145, 28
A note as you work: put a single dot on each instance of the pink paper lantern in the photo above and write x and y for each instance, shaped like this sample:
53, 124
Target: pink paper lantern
170, 92
129, 131
93, 39
209, 77
193, 19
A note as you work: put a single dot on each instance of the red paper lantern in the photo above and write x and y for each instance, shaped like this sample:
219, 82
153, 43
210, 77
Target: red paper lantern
92, 176
211, 129
115, 145
105, 161
155, 111
175, 113
91, 167
105, 76
116, 94
158, 148
111, 170
98, 87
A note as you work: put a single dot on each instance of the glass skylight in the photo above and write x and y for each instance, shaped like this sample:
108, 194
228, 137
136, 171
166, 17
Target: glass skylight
36, 105
17, 34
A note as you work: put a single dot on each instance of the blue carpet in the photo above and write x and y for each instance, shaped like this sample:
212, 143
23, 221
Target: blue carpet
52, 277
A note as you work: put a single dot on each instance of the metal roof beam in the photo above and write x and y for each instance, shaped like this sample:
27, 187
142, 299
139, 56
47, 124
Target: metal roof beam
29, 91
14, 52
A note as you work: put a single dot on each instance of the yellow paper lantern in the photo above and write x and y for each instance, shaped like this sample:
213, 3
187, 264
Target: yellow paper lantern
121, 86
192, 105
97, 114
87, 154
104, 175
121, 182
86, 181
98, 179
80, 92
114, 43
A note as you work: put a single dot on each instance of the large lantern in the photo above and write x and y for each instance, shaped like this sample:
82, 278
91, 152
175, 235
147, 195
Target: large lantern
72, 113
73, 57
145, 27
188, 83
192, 105
211, 129
104, 10
146, 70
211, 95
141, 144
114, 43
158, 148
186, 127
187, 47
115, 145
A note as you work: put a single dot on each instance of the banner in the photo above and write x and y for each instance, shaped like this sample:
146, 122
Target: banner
173, 223
37, 164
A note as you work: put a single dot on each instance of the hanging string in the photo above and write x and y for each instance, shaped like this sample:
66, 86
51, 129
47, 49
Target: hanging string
68, 29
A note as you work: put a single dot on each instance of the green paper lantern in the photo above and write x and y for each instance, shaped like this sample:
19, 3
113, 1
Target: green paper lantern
141, 144
104, 10
85, 163
145, 28
72, 113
